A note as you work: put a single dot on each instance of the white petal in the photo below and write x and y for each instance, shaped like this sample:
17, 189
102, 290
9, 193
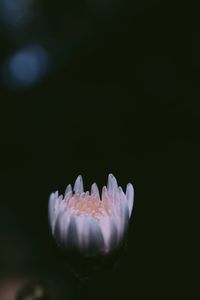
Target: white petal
61, 227
78, 186
87, 194
68, 189
130, 197
112, 183
124, 211
68, 193
71, 240
61, 205
51, 209
92, 238
80, 226
104, 194
95, 190
109, 231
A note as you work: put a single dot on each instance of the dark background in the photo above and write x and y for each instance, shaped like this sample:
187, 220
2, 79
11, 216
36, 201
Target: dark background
119, 93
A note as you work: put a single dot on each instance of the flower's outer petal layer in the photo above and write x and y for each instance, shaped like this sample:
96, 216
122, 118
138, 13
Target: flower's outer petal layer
124, 212
114, 238
71, 240
52, 208
92, 241
61, 227
130, 197
109, 231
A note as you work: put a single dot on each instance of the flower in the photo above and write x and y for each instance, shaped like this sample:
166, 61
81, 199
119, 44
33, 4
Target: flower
87, 223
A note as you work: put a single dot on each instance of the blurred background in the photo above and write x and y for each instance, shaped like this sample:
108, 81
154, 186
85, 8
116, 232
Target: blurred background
92, 87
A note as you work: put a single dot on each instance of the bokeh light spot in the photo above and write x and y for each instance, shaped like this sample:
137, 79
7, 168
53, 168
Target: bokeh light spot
26, 67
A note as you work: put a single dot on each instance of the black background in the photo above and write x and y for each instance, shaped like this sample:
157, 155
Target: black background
125, 102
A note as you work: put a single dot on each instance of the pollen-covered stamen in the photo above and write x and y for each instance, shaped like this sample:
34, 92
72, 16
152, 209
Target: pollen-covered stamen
91, 205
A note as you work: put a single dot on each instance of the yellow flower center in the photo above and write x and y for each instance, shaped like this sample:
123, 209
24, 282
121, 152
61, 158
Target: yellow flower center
88, 205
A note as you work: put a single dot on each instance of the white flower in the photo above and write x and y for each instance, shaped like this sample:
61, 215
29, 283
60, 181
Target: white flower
90, 224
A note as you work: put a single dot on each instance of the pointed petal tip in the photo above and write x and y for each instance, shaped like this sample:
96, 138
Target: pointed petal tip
53, 196
94, 189
130, 189
112, 183
130, 197
68, 189
130, 184
110, 175
104, 189
104, 192
78, 185
53, 202
121, 190
79, 179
